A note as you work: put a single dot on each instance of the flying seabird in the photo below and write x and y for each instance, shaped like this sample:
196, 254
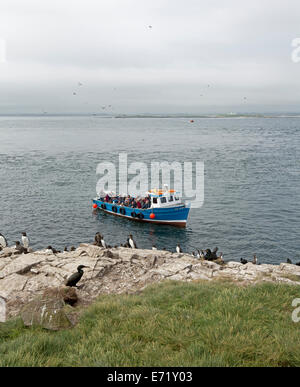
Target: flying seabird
74, 278
178, 248
3, 241
25, 240
131, 242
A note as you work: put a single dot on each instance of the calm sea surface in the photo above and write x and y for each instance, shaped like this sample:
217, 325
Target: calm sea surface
252, 188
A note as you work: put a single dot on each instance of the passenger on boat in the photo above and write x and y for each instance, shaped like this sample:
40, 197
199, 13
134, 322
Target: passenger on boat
147, 203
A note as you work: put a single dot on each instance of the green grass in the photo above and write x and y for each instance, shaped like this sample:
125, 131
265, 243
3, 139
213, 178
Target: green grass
170, 324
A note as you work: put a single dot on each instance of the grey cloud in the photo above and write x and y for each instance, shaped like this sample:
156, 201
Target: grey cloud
241, 48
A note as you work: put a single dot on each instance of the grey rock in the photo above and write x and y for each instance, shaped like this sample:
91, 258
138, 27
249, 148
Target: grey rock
119, 270
48, 312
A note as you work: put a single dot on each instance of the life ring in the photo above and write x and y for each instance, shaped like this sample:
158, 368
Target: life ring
140, 215
103, 206
114, 208
122, 211
133, 214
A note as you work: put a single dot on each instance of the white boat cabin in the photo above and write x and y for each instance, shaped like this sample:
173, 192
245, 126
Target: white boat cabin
166, 198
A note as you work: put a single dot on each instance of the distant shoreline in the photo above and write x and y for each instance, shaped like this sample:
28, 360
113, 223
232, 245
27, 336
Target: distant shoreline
151, 115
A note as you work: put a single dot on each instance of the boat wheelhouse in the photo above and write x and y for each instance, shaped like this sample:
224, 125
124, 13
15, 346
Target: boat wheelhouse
158, 207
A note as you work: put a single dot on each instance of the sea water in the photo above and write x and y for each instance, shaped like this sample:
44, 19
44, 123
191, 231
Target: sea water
251, 183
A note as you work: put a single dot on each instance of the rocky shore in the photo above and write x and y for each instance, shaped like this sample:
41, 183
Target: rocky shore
25, 277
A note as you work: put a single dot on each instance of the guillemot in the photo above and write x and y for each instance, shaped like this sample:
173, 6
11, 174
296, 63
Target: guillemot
131, 242
25, 240
103, 244
20, 249
98, 239
178, 249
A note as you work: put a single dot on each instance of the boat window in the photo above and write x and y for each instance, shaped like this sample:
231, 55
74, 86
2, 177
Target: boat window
171, 199
154, 200
176, 198
163, 200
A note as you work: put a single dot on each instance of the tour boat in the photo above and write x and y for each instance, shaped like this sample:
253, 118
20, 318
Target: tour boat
165, 207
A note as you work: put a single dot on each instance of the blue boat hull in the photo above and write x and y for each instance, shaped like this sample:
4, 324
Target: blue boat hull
172, 216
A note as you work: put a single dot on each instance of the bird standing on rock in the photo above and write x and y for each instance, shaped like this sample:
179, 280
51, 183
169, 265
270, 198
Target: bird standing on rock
255, 260
208, 255
20, 249
76, 277
51, 250
98, 239
244, 261
214, 254
25, 240
103, 244
131, 242
3, 241
291, 263
178, 249
220, 257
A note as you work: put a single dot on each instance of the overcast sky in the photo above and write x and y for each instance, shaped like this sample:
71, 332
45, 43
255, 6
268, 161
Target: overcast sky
199, 56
